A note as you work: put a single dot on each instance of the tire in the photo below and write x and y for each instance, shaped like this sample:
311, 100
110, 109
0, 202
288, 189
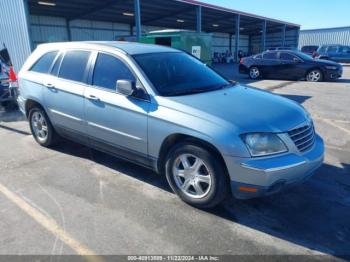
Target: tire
41, 127
254, 73
314, 75
204, 178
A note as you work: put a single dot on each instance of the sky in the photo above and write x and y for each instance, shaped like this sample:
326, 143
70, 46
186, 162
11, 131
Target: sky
310, 14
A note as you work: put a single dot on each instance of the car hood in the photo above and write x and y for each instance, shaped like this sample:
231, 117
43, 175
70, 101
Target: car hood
325, 62
242, 108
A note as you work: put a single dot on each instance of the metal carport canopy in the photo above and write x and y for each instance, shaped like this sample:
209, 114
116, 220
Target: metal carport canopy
177, 14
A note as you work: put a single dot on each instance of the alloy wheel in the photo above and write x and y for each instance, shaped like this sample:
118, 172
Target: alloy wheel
254, 73
39, 126
314, 76
192, 176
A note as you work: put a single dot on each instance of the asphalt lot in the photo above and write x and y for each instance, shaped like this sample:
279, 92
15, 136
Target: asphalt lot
74, 200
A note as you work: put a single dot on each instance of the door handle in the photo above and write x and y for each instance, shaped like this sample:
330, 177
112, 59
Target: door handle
49, 85
93, 98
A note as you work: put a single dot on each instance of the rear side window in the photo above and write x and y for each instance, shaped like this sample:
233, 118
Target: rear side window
109, 69
73, 65
44, 63
270, 55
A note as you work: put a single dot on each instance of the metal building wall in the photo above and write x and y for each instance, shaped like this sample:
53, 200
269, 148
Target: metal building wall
221, 43
319, 37
54, 29
14, 31
275, 40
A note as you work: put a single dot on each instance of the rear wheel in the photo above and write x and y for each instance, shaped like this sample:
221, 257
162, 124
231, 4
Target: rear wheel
196, 175
314, 75
41, 127
254, 73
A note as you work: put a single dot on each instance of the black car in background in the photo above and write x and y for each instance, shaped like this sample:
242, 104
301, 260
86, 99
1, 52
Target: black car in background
289, 65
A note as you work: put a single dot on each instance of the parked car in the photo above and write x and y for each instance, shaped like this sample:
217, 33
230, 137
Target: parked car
337, 53
166, 110
282, 48
310, 49
7, 94
289, 65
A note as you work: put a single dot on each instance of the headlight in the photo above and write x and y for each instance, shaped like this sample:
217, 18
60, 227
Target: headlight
263, 144
331, 67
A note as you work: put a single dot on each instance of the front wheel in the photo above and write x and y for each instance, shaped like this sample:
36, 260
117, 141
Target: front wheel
314, 75
254, 73
41, 127
196, 175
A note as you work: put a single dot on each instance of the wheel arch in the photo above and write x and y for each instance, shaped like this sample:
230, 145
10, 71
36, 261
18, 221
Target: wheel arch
174, 139
315, 68
31, 103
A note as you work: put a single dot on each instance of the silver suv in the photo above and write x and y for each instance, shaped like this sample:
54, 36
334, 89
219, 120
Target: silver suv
166, 110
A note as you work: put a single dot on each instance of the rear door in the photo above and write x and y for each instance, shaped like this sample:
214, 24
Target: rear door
64, 93
116, 123
333, 53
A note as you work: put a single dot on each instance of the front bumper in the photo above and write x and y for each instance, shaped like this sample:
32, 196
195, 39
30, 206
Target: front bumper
242, 69
334, 74
256, 177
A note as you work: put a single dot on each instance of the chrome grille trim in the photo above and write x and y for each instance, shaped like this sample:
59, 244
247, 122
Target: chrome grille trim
303, 137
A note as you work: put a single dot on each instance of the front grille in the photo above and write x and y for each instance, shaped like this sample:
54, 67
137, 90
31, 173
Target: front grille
303, 137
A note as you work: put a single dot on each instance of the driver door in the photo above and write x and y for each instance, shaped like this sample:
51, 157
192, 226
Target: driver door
116, 123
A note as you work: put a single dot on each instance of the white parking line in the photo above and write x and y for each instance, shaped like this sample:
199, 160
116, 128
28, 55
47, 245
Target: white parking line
331, 122
50, 225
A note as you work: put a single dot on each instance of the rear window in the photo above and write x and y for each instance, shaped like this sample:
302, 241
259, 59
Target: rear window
44, 63
270, 55
73, 65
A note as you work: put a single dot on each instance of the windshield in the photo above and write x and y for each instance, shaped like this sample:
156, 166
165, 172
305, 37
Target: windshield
177, 73
304, 56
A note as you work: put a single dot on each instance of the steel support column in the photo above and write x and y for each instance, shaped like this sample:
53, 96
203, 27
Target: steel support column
263, 37
69, 32
284, 35
199, 19
237, 36
137, 14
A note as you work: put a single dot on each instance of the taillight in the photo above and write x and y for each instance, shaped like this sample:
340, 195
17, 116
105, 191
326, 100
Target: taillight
241, 61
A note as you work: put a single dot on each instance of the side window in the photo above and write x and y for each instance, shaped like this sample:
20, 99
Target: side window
109, 69
73, 65
270, 55
258, 56
56, 66
44, 63
286, 57
344, 49
332, 49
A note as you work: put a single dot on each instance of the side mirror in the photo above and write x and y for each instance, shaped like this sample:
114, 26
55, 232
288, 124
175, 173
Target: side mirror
125, 87
296, 60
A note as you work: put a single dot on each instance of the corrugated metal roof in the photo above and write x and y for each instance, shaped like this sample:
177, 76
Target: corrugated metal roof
230, 10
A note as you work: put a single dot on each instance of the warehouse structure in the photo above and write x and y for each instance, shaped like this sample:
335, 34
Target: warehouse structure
326, 36
27, 23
